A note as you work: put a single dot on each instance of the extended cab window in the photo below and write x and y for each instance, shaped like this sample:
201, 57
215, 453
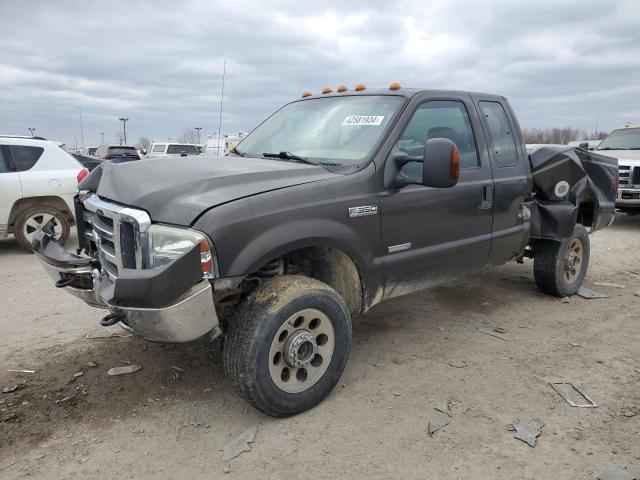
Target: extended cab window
188, 149
438, 119
158, 148
501, 141
25, 157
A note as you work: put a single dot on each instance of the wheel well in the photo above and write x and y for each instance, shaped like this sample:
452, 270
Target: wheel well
24, 203
586, 211
328, 265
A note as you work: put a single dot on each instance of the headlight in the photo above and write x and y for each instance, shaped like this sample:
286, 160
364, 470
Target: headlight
168, 243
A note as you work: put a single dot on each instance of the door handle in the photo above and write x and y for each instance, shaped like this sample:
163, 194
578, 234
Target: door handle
487, 197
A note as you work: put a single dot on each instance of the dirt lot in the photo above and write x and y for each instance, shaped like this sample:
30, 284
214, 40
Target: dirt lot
172, 418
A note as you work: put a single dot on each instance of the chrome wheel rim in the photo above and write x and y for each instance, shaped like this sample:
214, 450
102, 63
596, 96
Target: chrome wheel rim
301, 350
573, 261
37, 220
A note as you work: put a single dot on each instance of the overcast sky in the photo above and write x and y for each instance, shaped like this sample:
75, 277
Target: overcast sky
560, 62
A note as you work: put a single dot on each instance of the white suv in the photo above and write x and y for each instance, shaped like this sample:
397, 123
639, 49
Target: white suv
38, 181
164, 150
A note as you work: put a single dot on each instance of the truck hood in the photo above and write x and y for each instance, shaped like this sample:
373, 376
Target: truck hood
178, 190
620, 154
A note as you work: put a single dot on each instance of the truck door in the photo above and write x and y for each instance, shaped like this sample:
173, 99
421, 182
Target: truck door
10, 187
511, 176
431, 234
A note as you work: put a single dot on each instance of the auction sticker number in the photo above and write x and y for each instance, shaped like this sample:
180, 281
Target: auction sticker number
363, 120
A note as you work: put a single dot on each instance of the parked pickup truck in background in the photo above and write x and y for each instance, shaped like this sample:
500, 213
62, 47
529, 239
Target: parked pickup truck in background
333, 204
624, 144
164, 150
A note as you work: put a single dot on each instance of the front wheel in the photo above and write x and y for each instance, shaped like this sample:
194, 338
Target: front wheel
34, 218
559, 268
288, 345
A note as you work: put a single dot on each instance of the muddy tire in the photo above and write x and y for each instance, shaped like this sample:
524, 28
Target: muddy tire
31, 219
288, 344
559, 268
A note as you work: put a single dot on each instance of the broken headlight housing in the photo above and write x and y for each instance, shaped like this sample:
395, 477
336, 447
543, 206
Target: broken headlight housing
168, 243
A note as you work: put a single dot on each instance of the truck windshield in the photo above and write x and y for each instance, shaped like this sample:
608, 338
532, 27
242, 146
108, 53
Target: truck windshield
335, 130
622, 139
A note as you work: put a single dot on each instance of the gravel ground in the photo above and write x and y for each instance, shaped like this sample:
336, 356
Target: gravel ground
173, 418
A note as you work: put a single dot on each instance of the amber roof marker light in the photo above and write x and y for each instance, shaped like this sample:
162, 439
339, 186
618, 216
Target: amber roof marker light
394, 86
326, 90
306, 93
341, 88
360, 87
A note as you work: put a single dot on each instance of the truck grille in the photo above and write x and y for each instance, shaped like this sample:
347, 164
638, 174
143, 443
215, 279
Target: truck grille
629, 176
117, 234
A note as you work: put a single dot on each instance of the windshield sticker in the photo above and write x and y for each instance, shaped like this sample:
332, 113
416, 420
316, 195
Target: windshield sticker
375, 120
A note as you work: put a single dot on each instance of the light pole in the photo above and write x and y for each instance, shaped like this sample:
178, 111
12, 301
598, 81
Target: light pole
32, 130
198, 130
124, 128
101, 138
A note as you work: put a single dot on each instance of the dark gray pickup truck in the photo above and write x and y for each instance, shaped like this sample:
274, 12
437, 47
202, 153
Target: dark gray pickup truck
333, 204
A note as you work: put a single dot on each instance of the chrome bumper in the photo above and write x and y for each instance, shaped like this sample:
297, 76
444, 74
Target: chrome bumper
192, 316
629, 201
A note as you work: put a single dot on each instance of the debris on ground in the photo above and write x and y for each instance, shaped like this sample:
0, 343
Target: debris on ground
575, 344
617, 473
92, 364
10, 389
108, 334
460, 364
589, 294
177, 369
66, 399
78, 374
240, 444
397, 394
500, 330
21, 371
527, 432
435, 424
446, 409
609, 285
637, 294
572, 395
491, 334
123, 370
565, 300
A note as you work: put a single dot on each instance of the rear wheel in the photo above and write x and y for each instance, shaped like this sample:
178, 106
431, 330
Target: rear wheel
288, 345
34, 218
560, 267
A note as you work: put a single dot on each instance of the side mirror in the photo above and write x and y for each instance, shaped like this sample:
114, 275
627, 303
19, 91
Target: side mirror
584, 145
183, 153
440, 166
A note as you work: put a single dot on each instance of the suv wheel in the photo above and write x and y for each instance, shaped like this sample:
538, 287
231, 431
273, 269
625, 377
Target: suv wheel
559, 268
35, 218
288, 345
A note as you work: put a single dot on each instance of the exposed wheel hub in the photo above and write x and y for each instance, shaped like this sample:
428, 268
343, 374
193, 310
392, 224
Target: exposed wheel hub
300, 348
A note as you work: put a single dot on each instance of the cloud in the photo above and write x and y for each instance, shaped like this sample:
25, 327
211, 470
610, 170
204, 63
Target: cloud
160, 62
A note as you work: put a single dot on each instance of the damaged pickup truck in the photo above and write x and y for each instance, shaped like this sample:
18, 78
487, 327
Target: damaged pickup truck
336, 202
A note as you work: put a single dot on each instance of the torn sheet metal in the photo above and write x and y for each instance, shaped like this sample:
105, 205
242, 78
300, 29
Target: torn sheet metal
572, 395
528, 432
563, 177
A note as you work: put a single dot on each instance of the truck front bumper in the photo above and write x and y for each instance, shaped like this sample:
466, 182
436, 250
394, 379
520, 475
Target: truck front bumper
188, 317
628, 198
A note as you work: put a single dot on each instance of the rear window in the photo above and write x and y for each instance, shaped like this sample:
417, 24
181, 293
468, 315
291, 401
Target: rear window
188, 149
122, 150
25, 157
158, 148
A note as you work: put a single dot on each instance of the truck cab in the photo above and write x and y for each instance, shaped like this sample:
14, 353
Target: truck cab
168, 149
624, 144
334, 203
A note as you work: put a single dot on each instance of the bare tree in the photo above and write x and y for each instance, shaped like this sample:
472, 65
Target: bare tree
560, 136
143, 144
189, 136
